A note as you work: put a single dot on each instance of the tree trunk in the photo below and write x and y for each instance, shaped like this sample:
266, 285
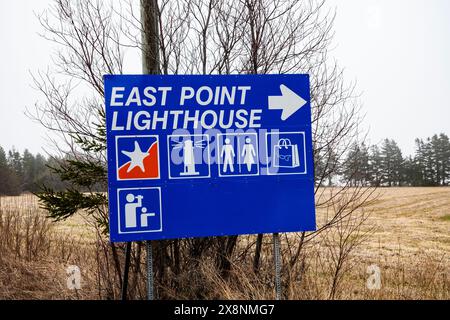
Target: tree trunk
257, 256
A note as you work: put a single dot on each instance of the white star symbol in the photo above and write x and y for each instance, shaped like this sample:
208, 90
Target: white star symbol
137, 157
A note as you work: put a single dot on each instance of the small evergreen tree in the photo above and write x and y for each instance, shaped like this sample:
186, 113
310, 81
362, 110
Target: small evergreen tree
9, 183
391, 163
356, 167
375, 161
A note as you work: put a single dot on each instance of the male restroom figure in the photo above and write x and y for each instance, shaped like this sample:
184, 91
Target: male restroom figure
228, 156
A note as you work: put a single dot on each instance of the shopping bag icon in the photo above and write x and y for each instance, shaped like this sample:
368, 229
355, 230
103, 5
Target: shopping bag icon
285, 154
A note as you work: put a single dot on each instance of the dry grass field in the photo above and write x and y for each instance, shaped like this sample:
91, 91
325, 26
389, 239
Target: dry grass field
408, 239
412, 220
410, 242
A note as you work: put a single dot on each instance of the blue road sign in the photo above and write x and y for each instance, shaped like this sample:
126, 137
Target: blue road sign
194, 156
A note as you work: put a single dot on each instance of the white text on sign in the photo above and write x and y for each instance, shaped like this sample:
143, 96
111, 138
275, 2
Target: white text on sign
183, 119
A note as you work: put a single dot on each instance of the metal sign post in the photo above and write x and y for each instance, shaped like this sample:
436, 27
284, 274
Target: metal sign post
277, 262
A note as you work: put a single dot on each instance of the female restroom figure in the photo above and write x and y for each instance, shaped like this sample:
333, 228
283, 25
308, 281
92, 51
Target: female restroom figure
248, 153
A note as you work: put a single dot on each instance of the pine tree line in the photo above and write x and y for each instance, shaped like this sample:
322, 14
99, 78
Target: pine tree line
22, 172
385, 165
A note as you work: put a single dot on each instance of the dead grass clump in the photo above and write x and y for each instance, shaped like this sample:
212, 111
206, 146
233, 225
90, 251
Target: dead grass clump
420, 276
25, 233
34, 257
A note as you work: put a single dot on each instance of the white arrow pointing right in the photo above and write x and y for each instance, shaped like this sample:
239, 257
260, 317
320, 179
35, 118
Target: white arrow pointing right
289, 102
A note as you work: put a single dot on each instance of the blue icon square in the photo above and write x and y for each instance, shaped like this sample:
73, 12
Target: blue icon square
139, 210
286, 153
188, 156
238, 154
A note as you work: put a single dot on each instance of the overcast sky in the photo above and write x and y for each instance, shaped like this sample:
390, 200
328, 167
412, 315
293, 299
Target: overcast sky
398, 51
